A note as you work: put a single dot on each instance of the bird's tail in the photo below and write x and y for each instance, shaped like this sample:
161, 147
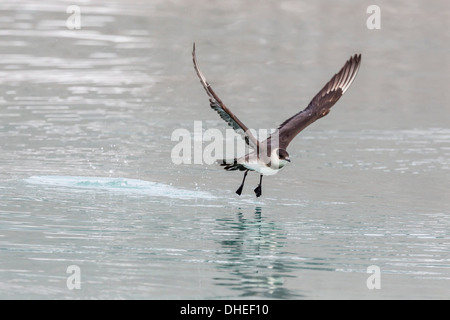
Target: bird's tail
231, 165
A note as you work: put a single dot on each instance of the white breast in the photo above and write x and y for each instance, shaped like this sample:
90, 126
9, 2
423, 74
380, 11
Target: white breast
261, 168
258, 165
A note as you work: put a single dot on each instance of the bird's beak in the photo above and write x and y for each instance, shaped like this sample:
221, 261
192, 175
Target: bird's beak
287, 159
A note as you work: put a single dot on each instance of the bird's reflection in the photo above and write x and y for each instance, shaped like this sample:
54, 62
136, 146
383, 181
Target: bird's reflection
252, 256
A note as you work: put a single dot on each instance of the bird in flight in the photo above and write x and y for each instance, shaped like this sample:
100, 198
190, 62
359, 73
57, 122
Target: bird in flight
270, 155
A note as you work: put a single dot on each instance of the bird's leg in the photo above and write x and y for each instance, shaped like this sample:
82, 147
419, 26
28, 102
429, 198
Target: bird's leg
258, 188
239, 191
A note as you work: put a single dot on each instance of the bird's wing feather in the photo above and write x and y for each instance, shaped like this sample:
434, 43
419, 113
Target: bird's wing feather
320, 105
222, 110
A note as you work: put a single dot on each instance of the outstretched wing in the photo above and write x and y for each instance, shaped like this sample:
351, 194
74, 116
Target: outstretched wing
320, 105
222, 110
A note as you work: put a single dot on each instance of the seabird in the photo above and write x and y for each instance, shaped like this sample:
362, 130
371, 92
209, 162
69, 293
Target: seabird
270, 155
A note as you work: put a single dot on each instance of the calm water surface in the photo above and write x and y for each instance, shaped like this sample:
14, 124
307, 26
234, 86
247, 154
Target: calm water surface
86, 177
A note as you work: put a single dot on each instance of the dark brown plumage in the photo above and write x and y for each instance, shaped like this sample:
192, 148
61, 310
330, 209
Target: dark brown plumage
320, 105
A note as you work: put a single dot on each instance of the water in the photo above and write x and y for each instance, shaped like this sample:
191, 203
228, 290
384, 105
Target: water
86, 178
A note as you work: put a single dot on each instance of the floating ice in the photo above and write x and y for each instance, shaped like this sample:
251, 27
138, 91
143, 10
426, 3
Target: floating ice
120, 185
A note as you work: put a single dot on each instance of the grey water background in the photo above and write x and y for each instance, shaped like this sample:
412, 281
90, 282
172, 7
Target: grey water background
86, 177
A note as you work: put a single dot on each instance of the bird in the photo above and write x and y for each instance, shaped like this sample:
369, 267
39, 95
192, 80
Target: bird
270, 155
